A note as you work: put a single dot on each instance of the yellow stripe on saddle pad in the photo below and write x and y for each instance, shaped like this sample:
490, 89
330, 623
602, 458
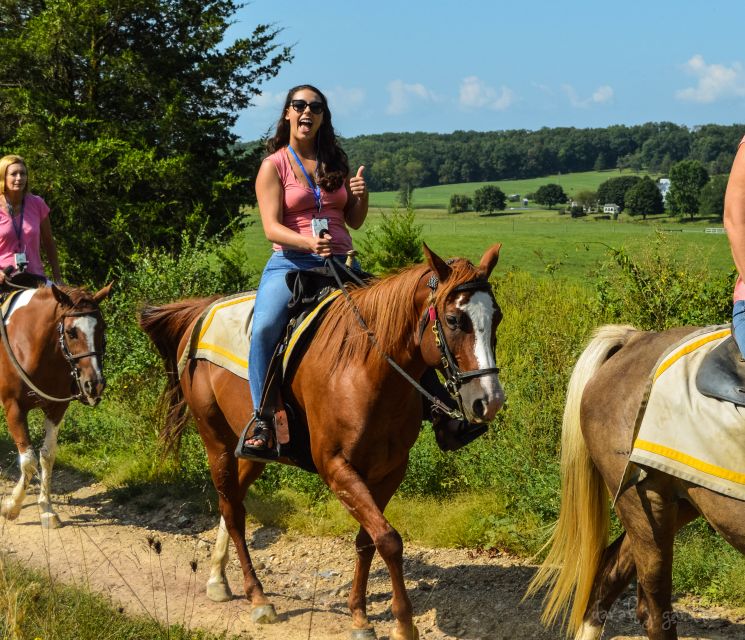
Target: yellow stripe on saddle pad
222, 334
683, 433
307, 322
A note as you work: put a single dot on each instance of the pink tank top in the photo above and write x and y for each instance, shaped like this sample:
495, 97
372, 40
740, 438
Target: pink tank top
299, 206
739, 293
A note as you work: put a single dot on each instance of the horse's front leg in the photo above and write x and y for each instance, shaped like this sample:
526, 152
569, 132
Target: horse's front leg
366, 504
18, 428
47, 456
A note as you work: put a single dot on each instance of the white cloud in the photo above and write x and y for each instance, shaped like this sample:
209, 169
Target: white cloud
475, 94
402, 95
602, 95
269, 101
715, 81
345, 101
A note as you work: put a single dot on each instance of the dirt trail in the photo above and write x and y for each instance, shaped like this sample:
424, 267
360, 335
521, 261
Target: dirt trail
456, 594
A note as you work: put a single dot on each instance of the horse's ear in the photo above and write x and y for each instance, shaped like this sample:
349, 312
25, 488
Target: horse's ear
61, 296
103, 293
436, 263
489, 259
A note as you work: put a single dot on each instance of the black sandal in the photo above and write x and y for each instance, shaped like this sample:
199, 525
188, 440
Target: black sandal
260, 430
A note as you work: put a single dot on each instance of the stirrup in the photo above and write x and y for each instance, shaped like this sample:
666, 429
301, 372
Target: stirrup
261, 429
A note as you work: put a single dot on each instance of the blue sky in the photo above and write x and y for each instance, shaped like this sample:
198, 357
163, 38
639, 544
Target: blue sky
486, 65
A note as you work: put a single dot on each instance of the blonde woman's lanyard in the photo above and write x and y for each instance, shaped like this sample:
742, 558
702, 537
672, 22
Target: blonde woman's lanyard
18, 229
313, 185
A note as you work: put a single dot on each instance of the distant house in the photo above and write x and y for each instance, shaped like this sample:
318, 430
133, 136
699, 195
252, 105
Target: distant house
613, 209
663, 184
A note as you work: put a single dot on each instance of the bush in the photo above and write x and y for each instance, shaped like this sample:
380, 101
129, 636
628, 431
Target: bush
658, 291
394, 243
459, 203
155, 276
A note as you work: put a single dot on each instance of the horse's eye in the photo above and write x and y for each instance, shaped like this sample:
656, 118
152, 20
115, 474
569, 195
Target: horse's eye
72, 333
452, 321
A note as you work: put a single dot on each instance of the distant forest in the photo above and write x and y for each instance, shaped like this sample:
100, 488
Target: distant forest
397, 160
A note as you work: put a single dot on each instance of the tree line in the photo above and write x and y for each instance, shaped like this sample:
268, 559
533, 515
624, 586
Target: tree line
402, 161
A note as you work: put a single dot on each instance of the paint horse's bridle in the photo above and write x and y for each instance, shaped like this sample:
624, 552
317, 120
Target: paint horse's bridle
72, 359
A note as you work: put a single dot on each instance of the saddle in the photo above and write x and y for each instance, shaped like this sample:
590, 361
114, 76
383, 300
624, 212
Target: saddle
722, 373
309, 287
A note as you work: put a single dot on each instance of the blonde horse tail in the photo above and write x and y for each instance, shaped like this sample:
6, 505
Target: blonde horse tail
581, 534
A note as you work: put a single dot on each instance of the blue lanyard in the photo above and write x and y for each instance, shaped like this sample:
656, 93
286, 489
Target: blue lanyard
18, 229
314, 186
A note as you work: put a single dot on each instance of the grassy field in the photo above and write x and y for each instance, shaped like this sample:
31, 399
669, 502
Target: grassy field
540, 242
438, 197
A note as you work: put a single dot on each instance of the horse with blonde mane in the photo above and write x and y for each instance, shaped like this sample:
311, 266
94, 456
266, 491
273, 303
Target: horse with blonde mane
360, 416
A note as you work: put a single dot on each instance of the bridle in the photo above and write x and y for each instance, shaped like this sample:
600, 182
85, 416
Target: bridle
454, 377
72, 359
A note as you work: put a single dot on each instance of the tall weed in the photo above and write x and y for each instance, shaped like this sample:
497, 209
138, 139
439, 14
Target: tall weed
661, 289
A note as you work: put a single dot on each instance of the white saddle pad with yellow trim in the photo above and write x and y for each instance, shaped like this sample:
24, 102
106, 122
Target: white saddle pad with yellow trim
222, 334
686, 434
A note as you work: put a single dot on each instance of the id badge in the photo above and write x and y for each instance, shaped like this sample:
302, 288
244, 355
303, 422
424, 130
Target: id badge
20, 260
317, 225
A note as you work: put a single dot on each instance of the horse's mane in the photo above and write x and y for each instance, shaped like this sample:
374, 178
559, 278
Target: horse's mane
81, 298
387, 307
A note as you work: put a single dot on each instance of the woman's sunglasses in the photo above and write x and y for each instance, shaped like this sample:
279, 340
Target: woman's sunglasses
299, 106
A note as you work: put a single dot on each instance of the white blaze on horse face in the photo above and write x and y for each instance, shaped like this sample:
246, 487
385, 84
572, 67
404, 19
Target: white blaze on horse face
87, 326
480, 309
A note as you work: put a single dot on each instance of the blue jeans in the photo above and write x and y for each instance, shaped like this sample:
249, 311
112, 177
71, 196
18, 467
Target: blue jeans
271, 313
738, 324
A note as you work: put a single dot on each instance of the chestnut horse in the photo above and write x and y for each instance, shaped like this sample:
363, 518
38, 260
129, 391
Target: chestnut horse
52, 353
360, 414
604, 395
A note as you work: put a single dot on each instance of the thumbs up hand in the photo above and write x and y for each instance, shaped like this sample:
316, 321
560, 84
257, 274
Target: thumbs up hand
357, 184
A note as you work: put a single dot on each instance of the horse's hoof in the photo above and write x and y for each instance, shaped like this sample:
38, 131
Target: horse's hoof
9, 509
368, 633
413, 635
219, 592
264, 614
50, 521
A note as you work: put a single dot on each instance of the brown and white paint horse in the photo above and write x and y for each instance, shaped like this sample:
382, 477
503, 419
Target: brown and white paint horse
56, 339
361, 416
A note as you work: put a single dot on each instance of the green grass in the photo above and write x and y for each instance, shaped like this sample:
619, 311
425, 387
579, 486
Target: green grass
34, 606
437, 197
540, 242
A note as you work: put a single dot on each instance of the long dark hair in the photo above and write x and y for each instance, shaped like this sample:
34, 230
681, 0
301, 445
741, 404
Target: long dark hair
333, 165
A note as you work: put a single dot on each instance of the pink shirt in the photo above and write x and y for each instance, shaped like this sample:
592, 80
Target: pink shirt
34, 211
739, 293
299, 206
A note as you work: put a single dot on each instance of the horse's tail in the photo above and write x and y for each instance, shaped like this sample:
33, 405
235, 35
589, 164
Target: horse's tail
166, 327
581, 533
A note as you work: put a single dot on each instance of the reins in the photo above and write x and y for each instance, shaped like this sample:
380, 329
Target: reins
454, 376
69, 357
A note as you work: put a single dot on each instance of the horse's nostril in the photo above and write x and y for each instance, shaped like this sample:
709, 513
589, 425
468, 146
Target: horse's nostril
479, 408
